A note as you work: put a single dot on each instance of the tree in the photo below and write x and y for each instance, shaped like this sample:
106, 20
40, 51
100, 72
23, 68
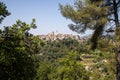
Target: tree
15, 59
86, 16
95, 15
3, 11
70, 69
17, 49
44, 71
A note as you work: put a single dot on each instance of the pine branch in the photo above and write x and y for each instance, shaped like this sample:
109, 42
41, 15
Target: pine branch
118, 3
111, 19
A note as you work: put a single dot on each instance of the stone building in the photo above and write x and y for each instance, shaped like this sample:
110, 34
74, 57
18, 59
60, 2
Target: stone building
58, 36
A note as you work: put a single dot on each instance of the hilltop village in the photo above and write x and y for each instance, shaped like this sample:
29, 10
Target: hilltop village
54, 36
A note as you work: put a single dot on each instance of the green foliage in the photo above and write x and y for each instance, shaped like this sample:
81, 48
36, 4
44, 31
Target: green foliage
25, 57
86, 15
104, 70
71, 69
57, 49
107, 44
65, 68
3, 11
15, 59
44, 70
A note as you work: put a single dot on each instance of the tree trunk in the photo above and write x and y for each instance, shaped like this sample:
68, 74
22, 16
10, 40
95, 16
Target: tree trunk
117, 32
95, 36
118, 55
118, 63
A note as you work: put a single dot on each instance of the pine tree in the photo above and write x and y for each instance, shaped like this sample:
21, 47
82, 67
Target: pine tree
95, 15
86, 15
3, 11
16, 62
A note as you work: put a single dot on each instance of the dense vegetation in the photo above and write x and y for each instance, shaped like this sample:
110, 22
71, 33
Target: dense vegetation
24, 56
59, 61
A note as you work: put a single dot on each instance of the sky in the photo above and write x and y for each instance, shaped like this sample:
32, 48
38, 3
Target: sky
46, 12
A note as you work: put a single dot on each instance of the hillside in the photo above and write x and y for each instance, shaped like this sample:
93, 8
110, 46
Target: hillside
99, 64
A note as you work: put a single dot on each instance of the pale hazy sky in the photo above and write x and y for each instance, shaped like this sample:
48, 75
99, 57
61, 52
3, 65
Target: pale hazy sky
46, 12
